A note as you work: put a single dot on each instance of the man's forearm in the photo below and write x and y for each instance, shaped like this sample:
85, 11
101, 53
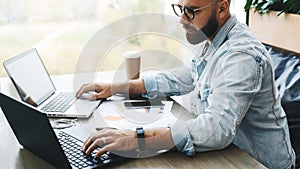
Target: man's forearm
159, 138
130, 87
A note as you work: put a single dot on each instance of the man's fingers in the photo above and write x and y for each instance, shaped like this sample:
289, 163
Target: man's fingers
100, 138
86, 144
93, 146
107, 144
84, 89
110, 140
81, 91
95, 96
109, 147
90, 141
99, 95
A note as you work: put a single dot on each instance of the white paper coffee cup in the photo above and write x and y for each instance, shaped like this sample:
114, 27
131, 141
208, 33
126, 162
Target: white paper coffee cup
132, 64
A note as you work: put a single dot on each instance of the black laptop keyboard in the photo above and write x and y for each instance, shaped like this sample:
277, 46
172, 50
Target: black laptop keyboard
73, 150
60, 103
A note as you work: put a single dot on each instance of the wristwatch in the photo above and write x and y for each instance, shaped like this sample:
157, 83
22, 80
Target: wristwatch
141, 141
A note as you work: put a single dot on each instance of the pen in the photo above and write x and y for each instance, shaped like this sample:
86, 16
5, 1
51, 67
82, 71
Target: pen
101, 128
101, 101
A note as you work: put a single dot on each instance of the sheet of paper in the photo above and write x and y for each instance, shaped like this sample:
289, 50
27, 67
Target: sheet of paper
116, 115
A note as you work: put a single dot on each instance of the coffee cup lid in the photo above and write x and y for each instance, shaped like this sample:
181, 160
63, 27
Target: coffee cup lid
132, 54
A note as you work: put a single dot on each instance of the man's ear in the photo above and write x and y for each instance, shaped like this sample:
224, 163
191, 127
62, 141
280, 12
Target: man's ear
223, 8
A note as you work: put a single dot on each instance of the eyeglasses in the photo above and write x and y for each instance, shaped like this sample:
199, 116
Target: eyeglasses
188, 12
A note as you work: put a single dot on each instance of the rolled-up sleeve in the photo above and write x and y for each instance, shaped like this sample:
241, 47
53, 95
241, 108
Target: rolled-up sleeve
182, 138
177, 82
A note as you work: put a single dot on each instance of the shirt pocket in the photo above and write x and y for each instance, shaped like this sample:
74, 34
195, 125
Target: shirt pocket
203, 92
200, 96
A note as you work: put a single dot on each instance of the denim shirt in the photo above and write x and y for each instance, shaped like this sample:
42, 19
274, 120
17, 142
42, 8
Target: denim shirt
234, 98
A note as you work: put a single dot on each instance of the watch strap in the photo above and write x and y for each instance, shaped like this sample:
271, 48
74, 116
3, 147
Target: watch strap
141, 138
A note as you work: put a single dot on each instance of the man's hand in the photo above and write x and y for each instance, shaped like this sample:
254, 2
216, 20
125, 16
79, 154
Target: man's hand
120, 140
111, 140
103, 90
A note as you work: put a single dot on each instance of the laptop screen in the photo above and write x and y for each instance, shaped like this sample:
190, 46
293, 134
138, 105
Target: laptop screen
30, 77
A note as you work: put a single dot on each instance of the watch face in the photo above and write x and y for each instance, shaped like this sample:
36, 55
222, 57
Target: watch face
140, 132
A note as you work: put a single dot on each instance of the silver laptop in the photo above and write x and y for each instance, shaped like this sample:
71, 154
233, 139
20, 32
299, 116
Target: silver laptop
35, 87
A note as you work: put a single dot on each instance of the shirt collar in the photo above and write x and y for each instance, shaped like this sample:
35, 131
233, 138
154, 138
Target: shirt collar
221, 35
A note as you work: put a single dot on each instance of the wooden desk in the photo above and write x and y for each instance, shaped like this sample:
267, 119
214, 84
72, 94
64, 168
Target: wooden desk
12, 157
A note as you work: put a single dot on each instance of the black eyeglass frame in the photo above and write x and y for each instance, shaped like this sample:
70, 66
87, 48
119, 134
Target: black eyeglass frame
187, 11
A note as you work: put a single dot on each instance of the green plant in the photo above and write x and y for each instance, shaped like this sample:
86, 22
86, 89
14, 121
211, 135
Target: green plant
263, 6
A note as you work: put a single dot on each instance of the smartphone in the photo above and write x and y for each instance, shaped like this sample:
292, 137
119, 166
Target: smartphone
143, 104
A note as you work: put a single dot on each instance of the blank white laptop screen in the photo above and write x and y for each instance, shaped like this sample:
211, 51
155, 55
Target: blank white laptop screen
30, 76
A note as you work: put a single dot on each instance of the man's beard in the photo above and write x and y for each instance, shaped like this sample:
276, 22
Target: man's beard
198, 36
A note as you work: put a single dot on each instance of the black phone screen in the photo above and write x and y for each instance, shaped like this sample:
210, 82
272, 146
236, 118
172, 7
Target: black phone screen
144, 104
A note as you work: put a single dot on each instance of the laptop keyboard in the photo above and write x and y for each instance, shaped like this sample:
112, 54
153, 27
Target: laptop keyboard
73, 150
60, 103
